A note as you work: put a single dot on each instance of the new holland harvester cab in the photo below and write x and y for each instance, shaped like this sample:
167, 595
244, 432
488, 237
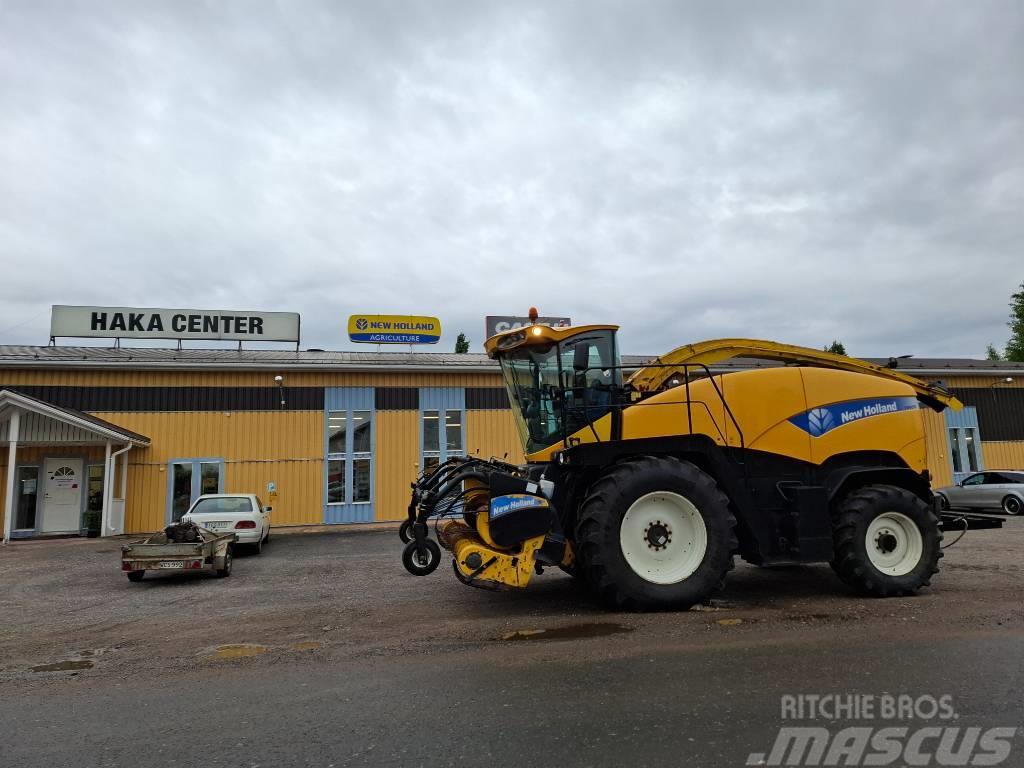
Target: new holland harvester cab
647, 485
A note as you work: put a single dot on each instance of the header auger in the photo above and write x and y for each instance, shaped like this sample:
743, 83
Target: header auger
647, 488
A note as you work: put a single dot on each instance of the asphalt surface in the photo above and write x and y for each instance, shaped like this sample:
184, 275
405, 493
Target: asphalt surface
322, 651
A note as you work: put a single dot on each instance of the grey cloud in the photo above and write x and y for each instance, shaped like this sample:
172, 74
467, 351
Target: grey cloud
785, 170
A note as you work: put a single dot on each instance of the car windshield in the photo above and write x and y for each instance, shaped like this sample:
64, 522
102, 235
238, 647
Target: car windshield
557, 389
231, 505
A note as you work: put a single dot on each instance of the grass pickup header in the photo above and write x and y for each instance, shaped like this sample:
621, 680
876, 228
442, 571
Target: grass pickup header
141, 323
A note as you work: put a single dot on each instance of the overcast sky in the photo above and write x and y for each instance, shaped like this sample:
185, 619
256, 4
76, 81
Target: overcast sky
800, 172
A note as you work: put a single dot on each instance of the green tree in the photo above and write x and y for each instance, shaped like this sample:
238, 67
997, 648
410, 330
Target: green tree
461, 344
1015, 346
991, 353
836, 348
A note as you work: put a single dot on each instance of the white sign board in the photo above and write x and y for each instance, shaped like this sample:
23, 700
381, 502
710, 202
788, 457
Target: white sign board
141, 323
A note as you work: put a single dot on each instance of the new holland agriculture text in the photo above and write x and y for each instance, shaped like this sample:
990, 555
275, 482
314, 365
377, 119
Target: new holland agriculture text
394, 329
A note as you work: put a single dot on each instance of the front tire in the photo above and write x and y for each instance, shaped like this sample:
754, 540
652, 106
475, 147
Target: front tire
1012, 505
655, 532
887, 541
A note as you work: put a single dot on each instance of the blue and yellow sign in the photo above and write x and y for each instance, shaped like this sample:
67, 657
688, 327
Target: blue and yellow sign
394, 329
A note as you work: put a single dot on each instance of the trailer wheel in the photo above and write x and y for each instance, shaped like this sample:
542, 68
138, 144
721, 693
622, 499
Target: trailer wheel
655, 533
136, 575
887, 541
226, 570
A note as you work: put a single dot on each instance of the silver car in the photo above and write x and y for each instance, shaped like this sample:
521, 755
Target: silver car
1002, 489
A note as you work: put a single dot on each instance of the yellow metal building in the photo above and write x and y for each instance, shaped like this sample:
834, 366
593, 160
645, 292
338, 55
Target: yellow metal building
337, 440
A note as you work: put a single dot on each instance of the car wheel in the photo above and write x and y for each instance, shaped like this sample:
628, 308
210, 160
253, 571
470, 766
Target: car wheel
136, 575
257, 548
943, 502
1012, 505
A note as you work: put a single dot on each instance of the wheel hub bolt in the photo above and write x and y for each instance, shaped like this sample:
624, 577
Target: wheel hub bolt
658, 535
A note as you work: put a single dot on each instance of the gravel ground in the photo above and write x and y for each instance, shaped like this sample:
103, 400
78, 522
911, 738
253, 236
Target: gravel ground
344, 595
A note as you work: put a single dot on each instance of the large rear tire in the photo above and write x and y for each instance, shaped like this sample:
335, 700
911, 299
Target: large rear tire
654, 533
887, 541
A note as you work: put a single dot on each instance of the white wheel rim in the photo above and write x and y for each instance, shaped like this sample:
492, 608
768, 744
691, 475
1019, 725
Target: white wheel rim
663, 537
894, 544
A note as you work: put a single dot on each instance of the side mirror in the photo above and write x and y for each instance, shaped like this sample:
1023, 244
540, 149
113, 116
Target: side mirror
268, 509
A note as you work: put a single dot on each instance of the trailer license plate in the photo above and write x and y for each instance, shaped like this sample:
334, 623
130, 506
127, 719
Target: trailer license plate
172, 563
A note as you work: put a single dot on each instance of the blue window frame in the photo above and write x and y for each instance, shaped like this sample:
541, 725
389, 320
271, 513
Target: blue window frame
964, 440
442, 425
349, 448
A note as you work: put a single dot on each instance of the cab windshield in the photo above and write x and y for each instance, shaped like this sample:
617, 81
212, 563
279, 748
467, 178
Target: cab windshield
558, 389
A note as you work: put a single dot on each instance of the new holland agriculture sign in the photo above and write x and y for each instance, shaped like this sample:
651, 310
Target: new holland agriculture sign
142, 323
394, 329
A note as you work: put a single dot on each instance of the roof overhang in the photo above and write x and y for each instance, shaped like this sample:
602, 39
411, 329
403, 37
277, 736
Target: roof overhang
12, 401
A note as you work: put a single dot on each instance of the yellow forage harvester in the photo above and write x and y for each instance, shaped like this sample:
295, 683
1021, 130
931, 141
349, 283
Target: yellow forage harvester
647, 486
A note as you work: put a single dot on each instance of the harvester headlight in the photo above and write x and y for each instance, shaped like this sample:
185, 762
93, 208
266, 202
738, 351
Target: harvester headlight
537, 330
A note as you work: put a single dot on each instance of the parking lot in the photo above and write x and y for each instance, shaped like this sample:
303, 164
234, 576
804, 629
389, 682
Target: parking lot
327, 635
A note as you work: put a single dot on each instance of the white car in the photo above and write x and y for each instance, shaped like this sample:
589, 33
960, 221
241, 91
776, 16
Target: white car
240, 513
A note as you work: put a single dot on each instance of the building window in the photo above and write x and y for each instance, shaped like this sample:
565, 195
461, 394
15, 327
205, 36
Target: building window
435, 451
972, 456
964, 450
349, 451
954, 450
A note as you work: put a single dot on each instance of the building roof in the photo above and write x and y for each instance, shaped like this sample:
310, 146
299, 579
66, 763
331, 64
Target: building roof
11, 399
16, 356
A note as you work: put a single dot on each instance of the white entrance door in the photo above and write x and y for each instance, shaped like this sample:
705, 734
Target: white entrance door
62, 495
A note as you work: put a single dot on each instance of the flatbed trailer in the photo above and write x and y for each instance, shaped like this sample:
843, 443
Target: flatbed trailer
212, 552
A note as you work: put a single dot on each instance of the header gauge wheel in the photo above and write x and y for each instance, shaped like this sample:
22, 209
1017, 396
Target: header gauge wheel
420, 562
405, 531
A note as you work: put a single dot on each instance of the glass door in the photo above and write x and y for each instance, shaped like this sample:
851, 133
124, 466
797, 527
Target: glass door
189, 479
27, 488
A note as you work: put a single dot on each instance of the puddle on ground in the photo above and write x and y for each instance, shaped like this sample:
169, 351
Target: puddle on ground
63, 666
573, 632
237, 651
308, 645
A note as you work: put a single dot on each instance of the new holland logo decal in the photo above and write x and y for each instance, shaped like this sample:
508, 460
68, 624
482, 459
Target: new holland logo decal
819, 421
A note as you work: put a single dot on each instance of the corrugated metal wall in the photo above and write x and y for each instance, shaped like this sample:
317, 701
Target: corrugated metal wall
493, 433
1003, 455
398, 457
258, 447
937, 447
